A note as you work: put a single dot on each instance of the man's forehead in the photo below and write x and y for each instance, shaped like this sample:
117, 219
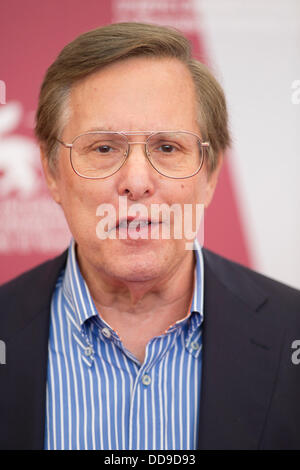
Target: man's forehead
135, 95
138, 71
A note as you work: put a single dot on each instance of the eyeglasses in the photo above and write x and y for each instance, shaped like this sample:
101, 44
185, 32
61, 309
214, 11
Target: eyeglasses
100, 154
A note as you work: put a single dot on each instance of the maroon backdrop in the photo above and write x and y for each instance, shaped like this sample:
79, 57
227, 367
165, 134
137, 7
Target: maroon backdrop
32, 227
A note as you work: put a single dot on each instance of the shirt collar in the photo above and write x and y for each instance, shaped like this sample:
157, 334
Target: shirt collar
76, 291
78, 296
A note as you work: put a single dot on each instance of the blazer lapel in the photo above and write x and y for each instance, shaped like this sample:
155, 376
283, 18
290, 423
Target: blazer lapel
23, 377
241, 349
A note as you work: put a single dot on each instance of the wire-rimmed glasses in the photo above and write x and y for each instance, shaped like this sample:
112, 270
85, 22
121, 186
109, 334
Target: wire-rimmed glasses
100, 154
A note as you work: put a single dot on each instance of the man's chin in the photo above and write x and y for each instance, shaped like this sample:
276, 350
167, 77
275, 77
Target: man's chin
142, 271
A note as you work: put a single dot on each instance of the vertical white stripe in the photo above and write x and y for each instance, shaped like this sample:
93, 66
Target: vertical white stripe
138, 413
181, 392
131, 417
107, 394
83, 425
153, 413
167, 398
146, 425
161, 404
99, 393
59, 378
66, 397
92, 388
172, 392
115, 389
196, 402
187, 393
77, 290
128, 428
47, 445
123, 403
73, 371
52, 401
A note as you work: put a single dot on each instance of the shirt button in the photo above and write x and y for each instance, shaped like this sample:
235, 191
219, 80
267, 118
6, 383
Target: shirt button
146, 379
88, 351
106, 332
195, 345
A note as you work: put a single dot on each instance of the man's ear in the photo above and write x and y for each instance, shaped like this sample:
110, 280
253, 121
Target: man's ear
51, 176
212, 180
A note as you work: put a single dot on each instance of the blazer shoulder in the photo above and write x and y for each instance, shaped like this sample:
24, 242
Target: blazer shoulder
29, 294
246, 282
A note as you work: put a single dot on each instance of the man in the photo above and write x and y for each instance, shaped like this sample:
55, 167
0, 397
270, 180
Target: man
131, 340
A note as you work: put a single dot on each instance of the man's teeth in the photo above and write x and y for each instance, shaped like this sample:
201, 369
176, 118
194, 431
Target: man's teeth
133, 224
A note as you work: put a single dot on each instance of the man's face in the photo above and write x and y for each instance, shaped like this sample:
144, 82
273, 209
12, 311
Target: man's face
137, 94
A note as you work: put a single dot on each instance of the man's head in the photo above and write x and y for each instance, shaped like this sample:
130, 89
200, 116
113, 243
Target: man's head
132, 78
96, 49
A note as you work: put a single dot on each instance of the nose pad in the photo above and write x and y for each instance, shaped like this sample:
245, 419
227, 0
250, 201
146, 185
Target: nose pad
136, 181
129, 151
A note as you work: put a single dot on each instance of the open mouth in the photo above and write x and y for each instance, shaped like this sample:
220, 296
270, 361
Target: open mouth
136, 225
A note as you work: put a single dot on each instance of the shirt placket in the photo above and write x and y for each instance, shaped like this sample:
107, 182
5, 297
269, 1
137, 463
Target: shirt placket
144, 381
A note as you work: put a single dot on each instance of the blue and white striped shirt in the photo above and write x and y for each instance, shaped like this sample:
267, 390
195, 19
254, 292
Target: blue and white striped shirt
99, 396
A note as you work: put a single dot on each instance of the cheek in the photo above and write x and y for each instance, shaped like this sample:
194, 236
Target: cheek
75, 191
79, 204
191, 192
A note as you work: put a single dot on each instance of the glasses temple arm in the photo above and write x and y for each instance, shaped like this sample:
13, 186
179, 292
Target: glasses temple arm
64, 144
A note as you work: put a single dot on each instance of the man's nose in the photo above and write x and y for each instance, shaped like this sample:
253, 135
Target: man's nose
137, 174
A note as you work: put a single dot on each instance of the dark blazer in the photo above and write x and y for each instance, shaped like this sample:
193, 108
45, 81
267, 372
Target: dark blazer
250, 394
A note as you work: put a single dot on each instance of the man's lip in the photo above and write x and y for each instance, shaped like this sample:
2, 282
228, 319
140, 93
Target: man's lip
136, 220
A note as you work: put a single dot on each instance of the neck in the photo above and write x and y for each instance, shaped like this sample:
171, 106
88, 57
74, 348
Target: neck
138, 311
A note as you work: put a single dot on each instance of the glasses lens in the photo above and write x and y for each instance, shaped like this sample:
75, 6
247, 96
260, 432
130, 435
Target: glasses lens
175, 154
98, 155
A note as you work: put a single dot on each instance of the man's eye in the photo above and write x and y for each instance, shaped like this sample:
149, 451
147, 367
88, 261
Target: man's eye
103, 148
166, 148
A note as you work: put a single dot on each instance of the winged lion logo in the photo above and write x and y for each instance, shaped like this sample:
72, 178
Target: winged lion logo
19, 156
